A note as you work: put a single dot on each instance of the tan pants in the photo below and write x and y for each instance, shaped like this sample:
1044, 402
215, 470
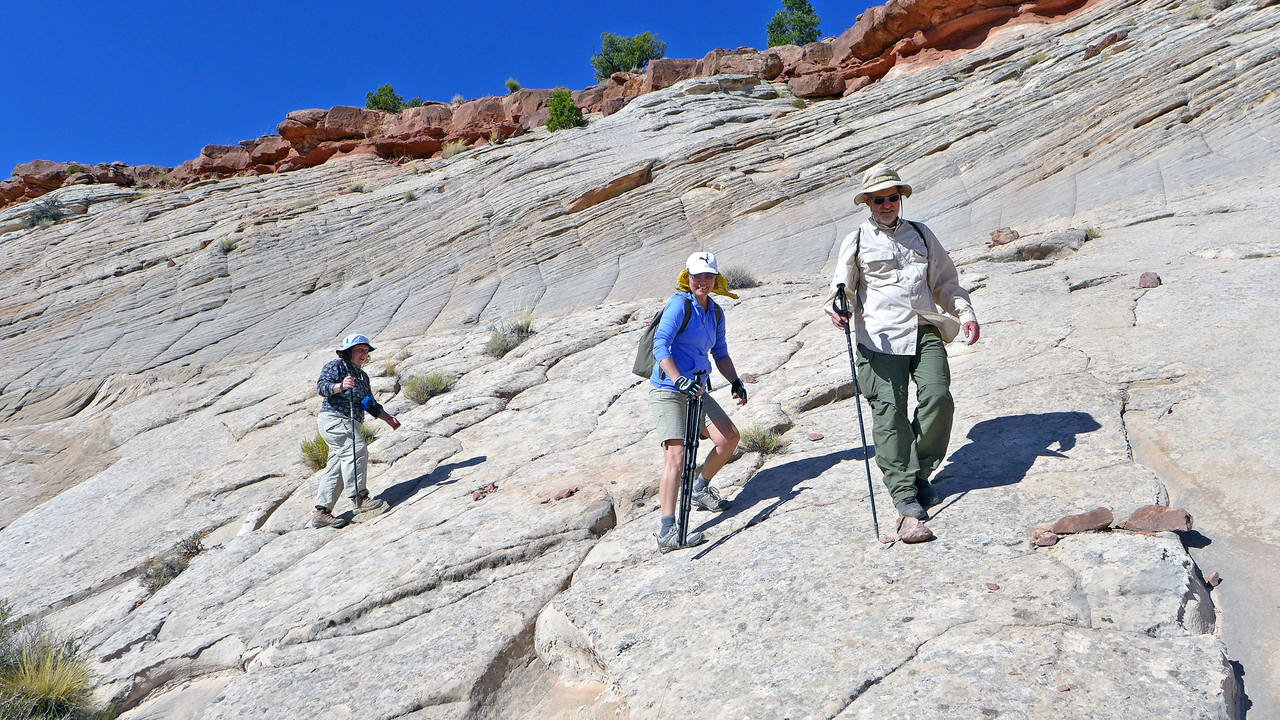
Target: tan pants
336, 431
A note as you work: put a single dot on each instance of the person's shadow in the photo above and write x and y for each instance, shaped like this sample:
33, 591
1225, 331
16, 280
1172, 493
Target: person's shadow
780, 482
1000, 451
402, 491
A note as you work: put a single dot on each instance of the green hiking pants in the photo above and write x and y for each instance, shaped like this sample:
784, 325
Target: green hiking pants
908, 450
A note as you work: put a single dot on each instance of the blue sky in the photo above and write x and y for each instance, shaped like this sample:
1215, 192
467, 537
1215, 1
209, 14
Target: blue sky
153, 82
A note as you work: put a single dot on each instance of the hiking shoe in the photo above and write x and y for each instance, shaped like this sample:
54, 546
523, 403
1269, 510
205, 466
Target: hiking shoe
670, 540
927, 495
910, 507
365, 507
709, 498
323, 518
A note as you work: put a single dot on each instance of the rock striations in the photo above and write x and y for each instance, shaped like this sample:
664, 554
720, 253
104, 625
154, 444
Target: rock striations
163, 346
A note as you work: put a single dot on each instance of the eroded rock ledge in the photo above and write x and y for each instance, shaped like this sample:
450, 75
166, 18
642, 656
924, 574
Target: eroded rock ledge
883, 37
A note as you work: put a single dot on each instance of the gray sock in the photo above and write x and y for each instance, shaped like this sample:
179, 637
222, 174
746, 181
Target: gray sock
700, 484
667, 522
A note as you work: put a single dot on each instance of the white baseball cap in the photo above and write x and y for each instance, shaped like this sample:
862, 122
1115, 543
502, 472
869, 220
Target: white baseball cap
702, 262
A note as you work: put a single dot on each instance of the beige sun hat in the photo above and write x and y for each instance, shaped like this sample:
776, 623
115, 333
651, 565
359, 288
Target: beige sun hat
879, 177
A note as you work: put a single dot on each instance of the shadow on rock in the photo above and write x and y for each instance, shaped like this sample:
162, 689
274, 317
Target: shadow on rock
402, 491
781, 483
1001, 451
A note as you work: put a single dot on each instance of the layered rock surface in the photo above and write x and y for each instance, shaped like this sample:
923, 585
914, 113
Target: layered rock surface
167, 344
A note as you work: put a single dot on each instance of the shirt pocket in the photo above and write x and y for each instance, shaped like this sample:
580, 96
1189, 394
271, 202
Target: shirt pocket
878, 263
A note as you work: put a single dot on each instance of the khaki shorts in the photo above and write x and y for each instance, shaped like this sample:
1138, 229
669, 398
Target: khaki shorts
669, 408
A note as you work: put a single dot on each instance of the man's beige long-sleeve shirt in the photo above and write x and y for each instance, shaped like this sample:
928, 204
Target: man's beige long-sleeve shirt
898, 274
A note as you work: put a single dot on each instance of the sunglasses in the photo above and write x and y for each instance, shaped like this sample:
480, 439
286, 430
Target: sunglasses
891, 198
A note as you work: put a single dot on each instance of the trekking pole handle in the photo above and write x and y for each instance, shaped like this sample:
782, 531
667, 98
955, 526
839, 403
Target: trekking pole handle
840, 303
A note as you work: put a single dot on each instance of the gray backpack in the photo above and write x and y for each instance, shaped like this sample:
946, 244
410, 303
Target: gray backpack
643, 365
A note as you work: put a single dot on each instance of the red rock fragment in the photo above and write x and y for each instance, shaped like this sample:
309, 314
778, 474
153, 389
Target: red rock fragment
480, 492
1158, 518
1213, 580
1096, 519
1043, 538
1063, 688
562, 494
993, 587
911, 530
815, 436
1149, 280
1003, 236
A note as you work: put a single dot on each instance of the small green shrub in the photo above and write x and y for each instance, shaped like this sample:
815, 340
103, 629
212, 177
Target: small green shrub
226, 245
736, 276
512, 85
409, 196
421, 388
384, 98
799, 104
495, 137
76, 170
761, 440
505, 336
388, 368
304, 203
1037, 58
619, 53
1092, 233
458, 99
44, 213
414, 102
315, 452
160, 569
795, 24
369, 432
355, 188
562, 113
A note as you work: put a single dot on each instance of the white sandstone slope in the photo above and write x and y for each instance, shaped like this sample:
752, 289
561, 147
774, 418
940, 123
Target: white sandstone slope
163, 351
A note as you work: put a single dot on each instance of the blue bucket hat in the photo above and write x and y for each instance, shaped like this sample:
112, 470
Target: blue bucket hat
353, 340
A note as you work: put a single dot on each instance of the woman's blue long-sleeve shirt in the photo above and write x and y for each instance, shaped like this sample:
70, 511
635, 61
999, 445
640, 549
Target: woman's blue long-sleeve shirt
689, 347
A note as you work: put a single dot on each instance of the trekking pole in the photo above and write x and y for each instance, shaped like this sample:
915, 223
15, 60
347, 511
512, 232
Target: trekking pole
692, 431
841, 307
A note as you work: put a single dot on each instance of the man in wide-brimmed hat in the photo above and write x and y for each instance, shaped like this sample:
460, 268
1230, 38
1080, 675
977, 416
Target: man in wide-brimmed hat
898, 275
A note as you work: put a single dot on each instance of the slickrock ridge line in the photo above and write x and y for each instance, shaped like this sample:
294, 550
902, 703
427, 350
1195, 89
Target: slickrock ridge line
912, 33
165, 344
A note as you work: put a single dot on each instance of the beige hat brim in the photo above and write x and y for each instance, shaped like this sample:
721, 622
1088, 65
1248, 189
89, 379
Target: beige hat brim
861, 198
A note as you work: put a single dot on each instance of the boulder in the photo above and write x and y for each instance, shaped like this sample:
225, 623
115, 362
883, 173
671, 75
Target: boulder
665, 72
827, 84
221, 160
268, 150
527, 108
588, 99
43, 175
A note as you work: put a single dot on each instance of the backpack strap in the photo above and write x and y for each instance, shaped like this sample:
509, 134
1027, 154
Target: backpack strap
923, 237
688, 310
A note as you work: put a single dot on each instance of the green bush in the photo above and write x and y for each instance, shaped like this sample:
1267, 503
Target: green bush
505, 336
795, 24
44, 212
736, 276
761, 440
421, 388
409, 196
512, 85
1092, 233
625, 54
384, 98
160, 569
355, 188
799, 104
562, 113
369, 432
414, 102
316, 452
76, 170
226, 245
42, 675
388, 368
1037, 58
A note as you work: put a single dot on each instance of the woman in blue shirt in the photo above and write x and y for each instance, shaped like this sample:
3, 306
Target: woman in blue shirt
680, 350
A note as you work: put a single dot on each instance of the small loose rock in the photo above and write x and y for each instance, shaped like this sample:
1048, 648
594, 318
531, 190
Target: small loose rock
1149, 280
815, 436
993, 587
1213, 580
485, 490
